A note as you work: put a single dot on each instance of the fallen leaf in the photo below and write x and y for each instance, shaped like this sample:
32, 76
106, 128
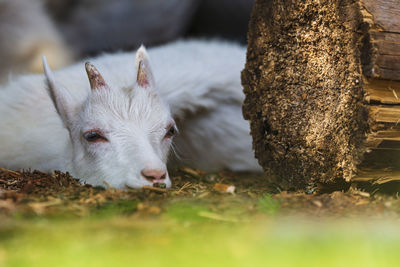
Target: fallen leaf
224, 188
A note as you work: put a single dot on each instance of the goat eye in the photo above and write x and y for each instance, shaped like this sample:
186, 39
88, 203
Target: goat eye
93, 137
171, 132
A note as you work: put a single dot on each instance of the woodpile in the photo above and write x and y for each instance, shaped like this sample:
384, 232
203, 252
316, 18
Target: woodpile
322, 85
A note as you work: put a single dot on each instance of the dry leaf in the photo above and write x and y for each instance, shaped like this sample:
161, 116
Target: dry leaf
224, 188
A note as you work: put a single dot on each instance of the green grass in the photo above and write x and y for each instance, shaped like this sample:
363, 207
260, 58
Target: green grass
268, 205
224, 230
199, 226
181, 237
120, 207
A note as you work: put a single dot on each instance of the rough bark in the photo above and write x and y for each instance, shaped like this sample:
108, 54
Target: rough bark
320, 85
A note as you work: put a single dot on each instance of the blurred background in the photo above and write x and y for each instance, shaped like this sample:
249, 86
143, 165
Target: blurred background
68, 30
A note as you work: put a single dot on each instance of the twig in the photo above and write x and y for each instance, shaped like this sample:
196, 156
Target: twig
156, 189
13, 173
183, 187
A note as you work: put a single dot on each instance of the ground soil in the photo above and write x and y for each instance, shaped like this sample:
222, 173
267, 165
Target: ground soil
36, 193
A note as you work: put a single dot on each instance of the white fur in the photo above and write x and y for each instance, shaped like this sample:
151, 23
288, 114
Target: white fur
198, 82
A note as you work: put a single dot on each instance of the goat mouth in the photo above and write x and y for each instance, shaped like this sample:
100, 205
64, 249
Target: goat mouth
159, 184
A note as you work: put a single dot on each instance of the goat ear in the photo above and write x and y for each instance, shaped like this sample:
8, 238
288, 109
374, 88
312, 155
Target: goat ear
62, 99
95, 79
145, 77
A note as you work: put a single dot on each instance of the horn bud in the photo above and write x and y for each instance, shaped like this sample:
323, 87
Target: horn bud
95, 79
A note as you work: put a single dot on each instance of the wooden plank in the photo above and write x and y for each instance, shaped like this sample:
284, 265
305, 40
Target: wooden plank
376, 176
382, 91
387, 67
380, 162
381, 48
392, 135
385, 13
387, 144
388, 114
387, 43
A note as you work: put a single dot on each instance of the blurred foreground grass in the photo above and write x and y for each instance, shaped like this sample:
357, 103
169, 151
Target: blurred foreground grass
53, 220
188, 233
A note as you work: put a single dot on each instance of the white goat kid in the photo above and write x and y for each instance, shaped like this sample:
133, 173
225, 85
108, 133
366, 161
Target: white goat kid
118, 130
102, 129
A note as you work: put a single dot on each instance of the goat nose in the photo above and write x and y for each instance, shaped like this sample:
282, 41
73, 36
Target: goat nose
151, 175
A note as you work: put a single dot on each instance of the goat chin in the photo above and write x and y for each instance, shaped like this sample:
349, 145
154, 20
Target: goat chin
197, 83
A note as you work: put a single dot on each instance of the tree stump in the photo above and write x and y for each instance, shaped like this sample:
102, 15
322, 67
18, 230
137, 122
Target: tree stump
322, 86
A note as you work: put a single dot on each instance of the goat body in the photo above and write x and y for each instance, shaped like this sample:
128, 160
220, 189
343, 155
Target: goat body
119, 126
27, 32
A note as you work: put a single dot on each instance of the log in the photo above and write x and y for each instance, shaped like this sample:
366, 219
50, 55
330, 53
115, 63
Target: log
322, 86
